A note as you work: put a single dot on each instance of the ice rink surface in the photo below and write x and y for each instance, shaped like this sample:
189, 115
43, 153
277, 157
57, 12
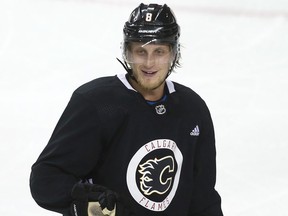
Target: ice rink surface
234, 54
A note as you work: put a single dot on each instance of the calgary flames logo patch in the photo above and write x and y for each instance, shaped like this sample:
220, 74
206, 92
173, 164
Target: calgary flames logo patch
154, 177
153, 174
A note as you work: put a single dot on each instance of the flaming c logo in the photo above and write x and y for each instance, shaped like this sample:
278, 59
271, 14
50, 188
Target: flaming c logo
153, 174
153, 179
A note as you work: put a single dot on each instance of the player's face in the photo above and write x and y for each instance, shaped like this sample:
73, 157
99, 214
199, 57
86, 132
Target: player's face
150, 64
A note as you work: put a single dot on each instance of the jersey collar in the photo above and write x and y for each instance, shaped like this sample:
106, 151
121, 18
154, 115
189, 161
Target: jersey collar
123, 79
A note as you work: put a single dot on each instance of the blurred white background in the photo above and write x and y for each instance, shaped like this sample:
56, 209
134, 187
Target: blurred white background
235, 55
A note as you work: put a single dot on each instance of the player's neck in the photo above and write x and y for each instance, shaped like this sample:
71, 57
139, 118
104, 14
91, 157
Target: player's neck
153, 95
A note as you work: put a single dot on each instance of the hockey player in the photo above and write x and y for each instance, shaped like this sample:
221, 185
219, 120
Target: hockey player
133, 144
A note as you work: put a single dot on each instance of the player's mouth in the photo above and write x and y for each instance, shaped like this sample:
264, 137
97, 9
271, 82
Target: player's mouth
149, 73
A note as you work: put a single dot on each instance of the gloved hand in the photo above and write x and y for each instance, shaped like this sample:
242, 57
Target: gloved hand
95, 200
92, 200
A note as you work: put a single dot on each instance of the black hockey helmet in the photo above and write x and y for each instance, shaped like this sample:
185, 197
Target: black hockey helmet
152, 22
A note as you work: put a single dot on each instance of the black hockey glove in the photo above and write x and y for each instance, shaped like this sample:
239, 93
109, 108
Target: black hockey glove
96, 200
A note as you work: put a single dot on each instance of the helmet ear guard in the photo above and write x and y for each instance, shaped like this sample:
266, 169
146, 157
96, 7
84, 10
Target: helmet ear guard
152, 23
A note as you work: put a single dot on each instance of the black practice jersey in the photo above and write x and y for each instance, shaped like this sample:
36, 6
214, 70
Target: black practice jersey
158, 156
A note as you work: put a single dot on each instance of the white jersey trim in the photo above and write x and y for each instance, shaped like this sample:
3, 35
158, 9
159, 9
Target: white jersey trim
123, 79
170, 86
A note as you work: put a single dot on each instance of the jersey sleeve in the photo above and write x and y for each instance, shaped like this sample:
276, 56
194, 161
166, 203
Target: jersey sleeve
70, 155
206, 200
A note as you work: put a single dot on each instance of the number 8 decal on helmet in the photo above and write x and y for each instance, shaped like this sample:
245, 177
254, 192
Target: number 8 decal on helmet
148, 17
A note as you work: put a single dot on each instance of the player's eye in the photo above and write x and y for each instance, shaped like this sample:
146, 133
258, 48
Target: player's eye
160, 52
140, 52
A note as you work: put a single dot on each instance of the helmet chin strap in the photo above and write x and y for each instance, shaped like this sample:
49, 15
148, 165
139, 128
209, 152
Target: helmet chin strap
129, 70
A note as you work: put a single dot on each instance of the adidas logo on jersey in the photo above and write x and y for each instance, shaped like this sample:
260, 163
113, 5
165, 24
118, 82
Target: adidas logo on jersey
195, 131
